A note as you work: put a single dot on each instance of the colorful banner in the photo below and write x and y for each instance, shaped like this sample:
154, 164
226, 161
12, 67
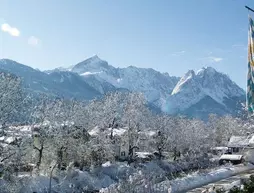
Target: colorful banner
250, 78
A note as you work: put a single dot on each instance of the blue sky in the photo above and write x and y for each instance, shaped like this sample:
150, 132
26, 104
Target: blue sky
168, 35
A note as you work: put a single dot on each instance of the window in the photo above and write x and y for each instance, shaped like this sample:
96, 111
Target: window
122, 153
236, 149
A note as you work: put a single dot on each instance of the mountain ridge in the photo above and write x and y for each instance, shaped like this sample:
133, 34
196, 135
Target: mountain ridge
94, 77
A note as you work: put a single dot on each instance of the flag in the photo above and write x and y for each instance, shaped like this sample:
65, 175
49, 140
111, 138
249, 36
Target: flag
250, 76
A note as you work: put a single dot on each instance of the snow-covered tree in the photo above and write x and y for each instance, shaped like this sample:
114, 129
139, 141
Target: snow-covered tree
11, 98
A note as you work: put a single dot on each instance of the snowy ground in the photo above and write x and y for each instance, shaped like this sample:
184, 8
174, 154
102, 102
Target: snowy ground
110, 175
194, 181
225, 184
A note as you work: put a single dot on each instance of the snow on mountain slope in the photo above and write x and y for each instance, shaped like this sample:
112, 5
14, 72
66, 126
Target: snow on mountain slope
204, 92
195, 94
98, 84
186, 93
89, 73
72, 85
55, 83
155, 85
92, 65
188, 77
206, 83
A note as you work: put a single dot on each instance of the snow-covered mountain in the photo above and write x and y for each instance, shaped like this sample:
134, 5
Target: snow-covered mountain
204, 92
65, 84
195, 94
155, 85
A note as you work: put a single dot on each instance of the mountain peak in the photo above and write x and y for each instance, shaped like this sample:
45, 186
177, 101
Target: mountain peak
190, 73
207, 82
196, 94
91, 64
209, 70
94, 58
14, 65
183, 81
5, 60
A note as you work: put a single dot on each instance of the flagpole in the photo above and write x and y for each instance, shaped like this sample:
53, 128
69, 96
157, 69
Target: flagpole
249, 8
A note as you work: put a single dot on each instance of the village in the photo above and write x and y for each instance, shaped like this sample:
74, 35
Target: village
133, 151
237, 151
168, 110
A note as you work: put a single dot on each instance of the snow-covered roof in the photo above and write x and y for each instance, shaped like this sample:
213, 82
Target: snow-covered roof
148, 133
9, 139
239, 141
143, 154
15, 132
106, 164
94, 132
231, 157
22, 128
220, 148
116, 131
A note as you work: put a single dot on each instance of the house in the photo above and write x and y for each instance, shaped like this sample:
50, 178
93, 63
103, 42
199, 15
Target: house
139, 139
237, 144
219, 150
121, 142
143, 157
14, 134
144, 138
120, 139
234, 159
240, 148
